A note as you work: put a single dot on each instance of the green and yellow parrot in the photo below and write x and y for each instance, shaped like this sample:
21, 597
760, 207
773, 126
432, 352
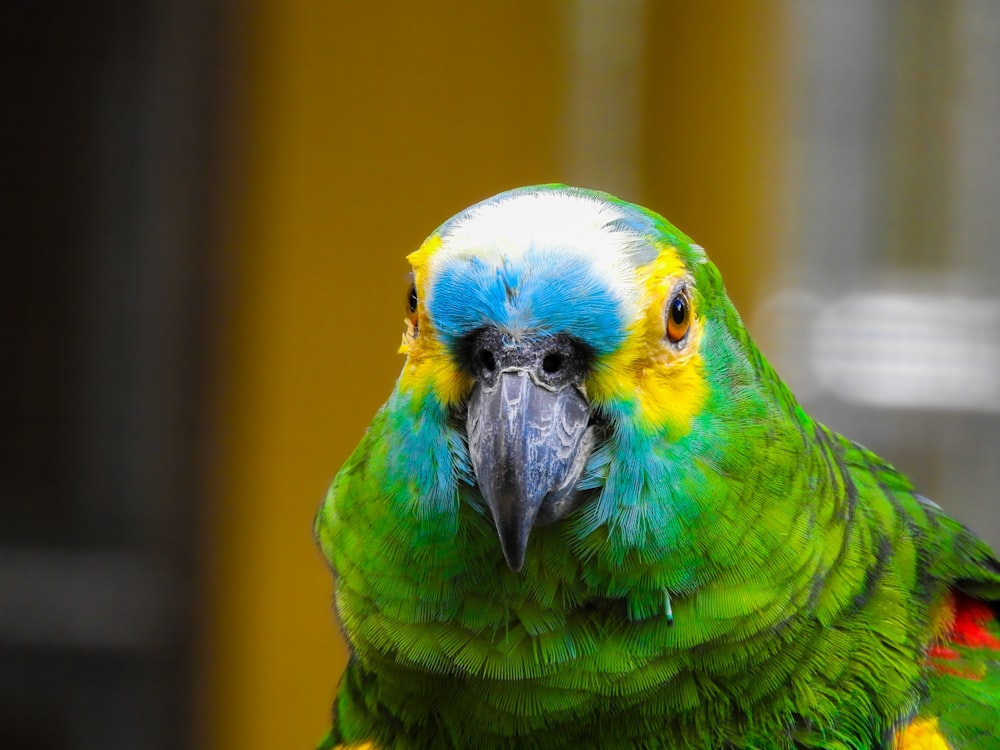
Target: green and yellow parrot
590, 515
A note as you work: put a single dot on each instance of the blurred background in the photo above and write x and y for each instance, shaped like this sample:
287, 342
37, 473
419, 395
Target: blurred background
207, 204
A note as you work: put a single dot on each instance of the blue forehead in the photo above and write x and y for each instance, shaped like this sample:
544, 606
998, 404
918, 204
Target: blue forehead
542, 292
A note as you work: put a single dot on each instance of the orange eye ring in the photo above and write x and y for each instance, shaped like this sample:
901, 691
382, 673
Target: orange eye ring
678, 317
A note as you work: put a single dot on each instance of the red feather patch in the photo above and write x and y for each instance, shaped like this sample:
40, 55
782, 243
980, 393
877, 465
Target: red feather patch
969, 626
963, 623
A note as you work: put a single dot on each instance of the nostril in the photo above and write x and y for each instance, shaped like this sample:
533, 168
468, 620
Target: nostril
552, 363
487, 360
555, 360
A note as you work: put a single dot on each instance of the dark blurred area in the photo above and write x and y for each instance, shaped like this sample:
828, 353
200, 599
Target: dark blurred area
109, 125
206, 210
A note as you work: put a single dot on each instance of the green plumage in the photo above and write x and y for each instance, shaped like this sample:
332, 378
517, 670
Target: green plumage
733, 575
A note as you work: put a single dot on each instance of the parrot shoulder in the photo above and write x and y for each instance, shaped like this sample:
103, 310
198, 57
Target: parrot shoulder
959, 575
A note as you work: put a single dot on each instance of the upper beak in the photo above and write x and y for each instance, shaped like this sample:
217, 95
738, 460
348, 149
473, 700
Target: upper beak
529, 443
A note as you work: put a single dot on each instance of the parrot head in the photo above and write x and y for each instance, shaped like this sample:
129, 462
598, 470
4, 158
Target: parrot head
574, 339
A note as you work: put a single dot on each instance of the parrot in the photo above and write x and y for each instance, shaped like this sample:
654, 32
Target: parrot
591, 515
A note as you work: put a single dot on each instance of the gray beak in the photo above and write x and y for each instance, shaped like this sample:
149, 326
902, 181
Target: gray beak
529, 441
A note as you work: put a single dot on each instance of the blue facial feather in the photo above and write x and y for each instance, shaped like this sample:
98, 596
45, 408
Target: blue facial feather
527, 297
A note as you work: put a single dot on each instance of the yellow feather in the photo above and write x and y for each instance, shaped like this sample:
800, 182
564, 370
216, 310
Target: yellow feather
668, 384
428, 364
921, 734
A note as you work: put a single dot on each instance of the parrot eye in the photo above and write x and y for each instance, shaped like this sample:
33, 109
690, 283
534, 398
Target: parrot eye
678, 315
411, 299
412, 320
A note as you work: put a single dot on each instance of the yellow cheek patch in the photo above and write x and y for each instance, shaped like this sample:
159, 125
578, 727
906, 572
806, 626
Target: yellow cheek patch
428, 364
667, 382
921, 734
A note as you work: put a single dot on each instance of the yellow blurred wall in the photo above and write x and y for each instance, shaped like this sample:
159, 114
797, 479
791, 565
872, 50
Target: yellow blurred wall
363, 126
714, 131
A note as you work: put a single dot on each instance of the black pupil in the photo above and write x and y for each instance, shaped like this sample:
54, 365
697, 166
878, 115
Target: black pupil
678, 310
412, 299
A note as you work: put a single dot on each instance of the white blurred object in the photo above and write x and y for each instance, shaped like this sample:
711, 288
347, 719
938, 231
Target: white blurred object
911, 350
